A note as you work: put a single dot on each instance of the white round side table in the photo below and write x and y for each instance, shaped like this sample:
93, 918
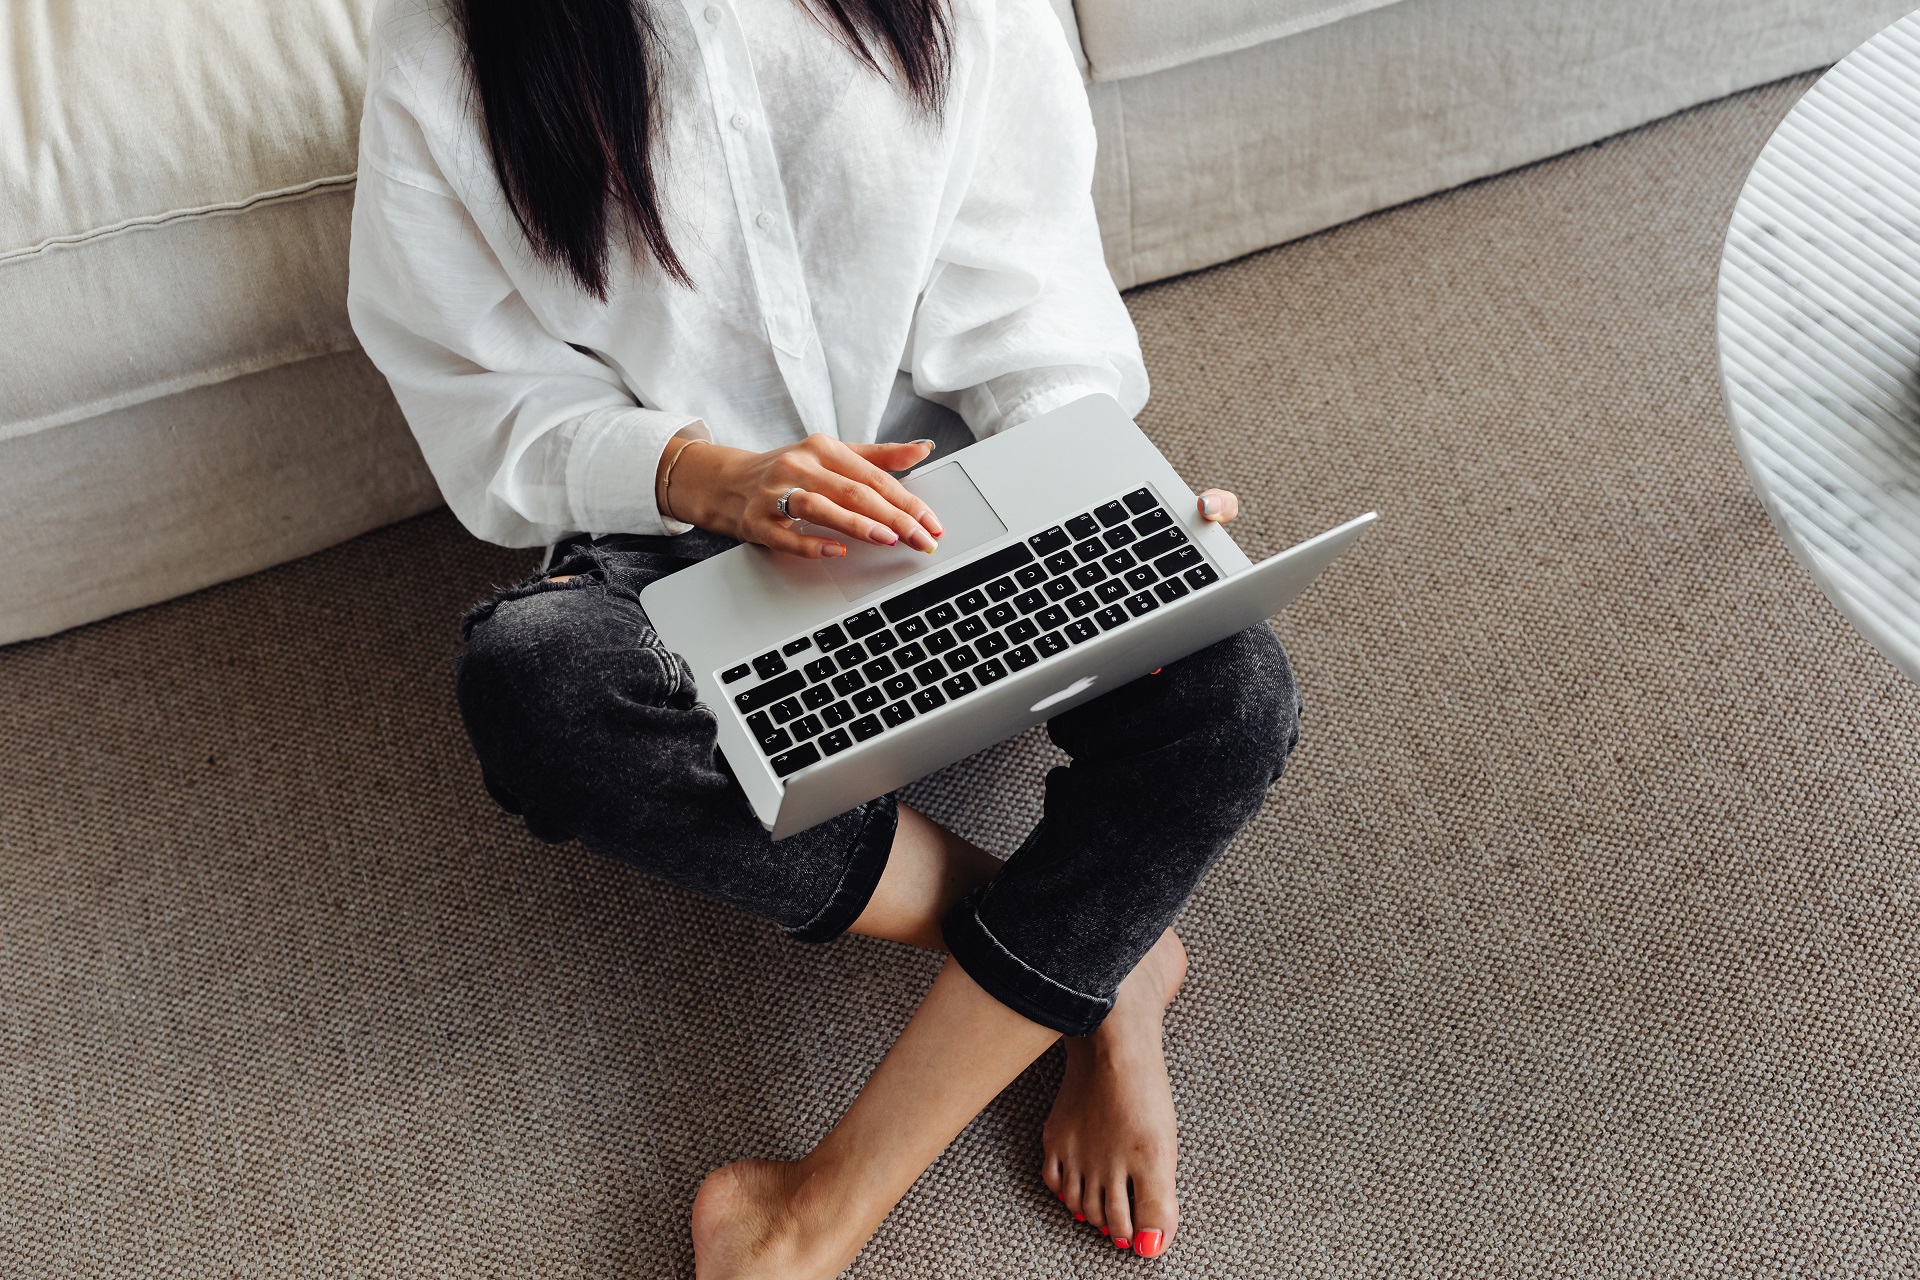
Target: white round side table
1819, 329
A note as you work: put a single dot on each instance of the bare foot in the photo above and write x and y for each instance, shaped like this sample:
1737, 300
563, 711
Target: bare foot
1112, 1142
756, 1218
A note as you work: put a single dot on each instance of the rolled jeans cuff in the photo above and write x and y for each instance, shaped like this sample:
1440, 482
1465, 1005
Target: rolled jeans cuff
1011, 980
871, 845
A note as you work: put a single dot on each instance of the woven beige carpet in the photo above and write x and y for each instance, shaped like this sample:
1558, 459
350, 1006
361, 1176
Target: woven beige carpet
1580, 939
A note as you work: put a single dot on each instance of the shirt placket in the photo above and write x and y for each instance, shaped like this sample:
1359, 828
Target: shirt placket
760, 205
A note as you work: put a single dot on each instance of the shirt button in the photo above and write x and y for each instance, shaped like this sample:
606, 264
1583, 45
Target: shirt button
713, 13
739, 119
764, 221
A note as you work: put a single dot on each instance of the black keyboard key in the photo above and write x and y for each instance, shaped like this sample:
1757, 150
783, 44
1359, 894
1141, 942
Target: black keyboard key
1139, 500
1082, 631
1148, 523
897, 713
806, 727
1051, 643
1110, 617
899, 686
1000, 615
878, 669
1052, 616
972, 602
765, 695
1060, 588
1119, 562
1060, 562
1022, 658
1048, 541
965, 578
829, 637
770, 736
1185, 558
866, 727
769, 665
909, 655
1110, 590
816, 697
760, 724
819, 669
940, 642
990, 644
968, 628
881, 641
732, 674
928, 699
929, 671
847, 681
777, 741
989, 671
1088, 574
1142, 603
796, 759
868, 699
1082, 604
1170, 590
942, 615
850, 657
1090, 550
866, 622
785, 709
1023, 630
959, 686
961, 658
792, 647
1118, 536
838, 713
912, 628
1002, 589
1031, 576
1141, 577
1156, 545
836, 742
1109, 514
1200, 575
1028, 601
1082, 527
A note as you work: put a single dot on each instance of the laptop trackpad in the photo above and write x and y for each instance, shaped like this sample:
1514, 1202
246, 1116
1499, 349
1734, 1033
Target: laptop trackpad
964, 514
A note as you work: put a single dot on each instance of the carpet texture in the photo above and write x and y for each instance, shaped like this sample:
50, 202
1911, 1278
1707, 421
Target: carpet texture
1579, 939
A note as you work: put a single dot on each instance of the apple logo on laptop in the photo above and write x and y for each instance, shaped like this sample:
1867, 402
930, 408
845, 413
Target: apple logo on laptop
1078, 687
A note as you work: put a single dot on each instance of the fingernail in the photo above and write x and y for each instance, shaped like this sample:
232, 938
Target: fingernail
1079, 1217
920, 540
885, 537
1147, 1244
835, 549
1210, 506
933, 525
927, 443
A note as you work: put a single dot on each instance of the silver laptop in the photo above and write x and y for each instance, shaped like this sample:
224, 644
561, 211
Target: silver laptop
1074, 560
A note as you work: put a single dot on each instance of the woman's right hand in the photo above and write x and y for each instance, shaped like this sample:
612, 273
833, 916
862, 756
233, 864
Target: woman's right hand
843, 487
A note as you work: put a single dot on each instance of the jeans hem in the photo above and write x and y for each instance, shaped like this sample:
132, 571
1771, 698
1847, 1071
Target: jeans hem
871, 845
1011, 980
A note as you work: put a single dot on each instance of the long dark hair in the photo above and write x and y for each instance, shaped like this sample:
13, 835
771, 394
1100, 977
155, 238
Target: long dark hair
565, 90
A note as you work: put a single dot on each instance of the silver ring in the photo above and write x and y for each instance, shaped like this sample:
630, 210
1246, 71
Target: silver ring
780, 505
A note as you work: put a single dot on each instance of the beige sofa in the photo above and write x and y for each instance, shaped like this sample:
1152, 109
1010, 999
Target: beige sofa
182, 401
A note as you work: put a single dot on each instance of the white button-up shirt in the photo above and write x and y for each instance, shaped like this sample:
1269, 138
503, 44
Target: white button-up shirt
835, 238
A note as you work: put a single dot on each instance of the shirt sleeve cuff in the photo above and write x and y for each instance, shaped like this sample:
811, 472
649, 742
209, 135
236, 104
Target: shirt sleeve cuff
611, 465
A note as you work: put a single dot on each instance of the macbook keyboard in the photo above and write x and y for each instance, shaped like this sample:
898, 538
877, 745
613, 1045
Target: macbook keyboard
944, 639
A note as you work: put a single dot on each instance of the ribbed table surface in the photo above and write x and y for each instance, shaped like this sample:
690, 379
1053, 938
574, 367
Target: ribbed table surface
1819, 328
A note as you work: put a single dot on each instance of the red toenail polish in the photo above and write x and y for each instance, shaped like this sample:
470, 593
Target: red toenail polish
1147, 1243
1105, 1232
1079, 1217
1118, 1243
1057, 1196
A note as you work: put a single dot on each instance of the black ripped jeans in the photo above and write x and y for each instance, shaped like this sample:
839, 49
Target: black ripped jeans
589, 729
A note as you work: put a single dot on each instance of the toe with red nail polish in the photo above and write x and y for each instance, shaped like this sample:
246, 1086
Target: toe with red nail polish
1147, 1243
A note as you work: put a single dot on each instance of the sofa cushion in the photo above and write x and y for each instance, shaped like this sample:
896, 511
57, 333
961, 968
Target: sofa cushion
1128, 38
177, 179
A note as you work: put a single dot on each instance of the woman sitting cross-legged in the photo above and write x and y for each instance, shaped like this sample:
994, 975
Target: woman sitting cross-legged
650, 278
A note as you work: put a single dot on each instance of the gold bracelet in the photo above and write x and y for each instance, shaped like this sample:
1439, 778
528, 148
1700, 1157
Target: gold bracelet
666, 481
